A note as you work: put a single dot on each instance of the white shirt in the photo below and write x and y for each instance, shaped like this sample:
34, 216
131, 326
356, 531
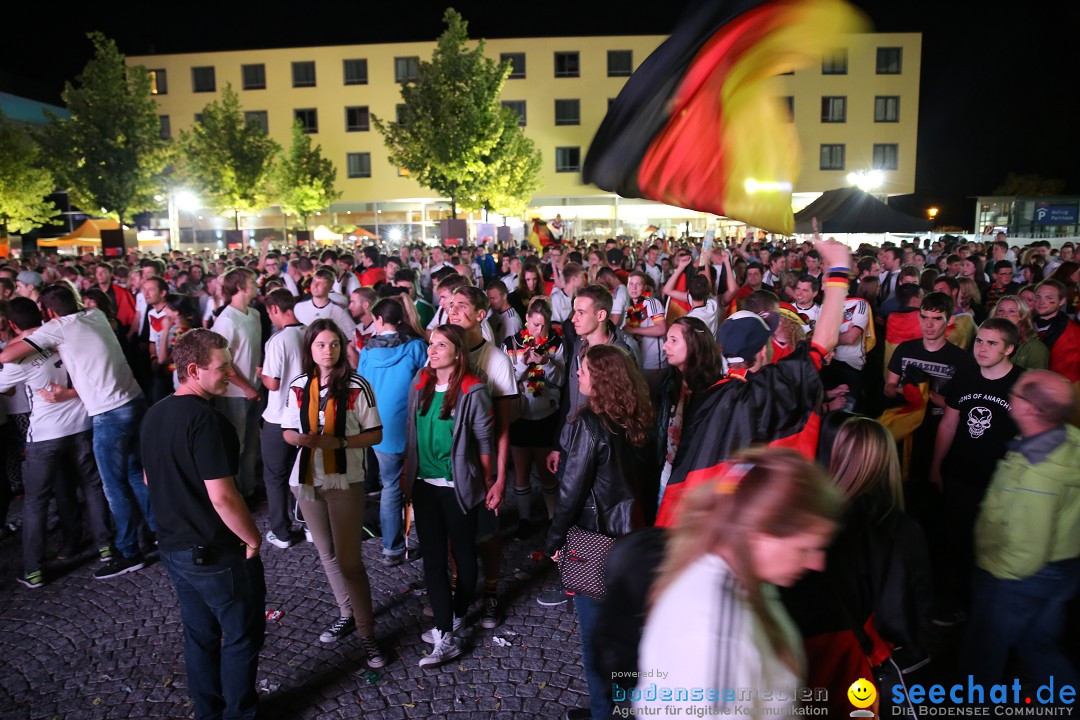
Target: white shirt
346, 286
360, 417
510, 280
653, 356
48, 421
244, 335
620, 299
495, 368
504, 324
656, 273
561, 305
308, 312
856, 313
93, 358
707, 314
156, 319
283, 360
290, 284
811, 314
140, 312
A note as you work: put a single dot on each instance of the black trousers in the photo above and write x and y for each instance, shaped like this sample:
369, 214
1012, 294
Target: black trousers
278, 457
438, 520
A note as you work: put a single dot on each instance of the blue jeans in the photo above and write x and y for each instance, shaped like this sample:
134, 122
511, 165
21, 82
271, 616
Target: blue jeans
1027, 616
390, 502
116, 449
588, 610
222, 607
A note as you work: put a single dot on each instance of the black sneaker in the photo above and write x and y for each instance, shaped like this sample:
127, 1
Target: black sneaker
393, 560
119, 566
341, 627
375, 658
32, 580
552, 598
489, 618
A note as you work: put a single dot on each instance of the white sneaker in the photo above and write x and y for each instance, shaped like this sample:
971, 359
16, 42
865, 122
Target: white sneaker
429, 635
447, 647
307, 534
278, 542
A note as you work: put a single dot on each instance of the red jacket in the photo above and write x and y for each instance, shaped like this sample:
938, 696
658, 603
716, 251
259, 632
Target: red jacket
1065, 352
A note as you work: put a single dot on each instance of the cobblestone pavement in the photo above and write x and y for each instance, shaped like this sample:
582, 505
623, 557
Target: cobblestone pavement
84, 649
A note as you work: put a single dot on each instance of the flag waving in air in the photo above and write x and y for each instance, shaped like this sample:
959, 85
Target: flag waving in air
701, 124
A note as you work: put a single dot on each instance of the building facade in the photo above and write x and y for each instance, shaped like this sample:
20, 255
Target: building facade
855, 113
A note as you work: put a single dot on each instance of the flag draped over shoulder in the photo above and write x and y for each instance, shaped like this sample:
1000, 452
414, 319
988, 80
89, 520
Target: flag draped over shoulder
541, 237
701, 123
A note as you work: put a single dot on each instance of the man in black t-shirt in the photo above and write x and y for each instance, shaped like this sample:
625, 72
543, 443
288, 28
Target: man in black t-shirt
972, 437
208, 541
931, 357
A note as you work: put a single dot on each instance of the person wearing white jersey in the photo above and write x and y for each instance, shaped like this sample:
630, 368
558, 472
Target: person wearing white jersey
101, 376
321, 306
240, 325
59, 452
282, 363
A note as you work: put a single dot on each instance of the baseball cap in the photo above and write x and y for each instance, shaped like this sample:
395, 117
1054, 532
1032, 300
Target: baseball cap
743, 335
30, 277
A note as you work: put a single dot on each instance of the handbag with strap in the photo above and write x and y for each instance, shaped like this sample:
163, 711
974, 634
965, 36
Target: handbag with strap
581, 564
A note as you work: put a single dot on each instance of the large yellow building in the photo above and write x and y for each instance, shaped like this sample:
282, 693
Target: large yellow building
856, 112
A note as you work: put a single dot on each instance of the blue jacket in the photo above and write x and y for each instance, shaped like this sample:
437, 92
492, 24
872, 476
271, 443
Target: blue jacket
389, 363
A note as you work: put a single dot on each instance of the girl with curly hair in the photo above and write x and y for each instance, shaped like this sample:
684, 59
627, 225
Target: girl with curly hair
600, 474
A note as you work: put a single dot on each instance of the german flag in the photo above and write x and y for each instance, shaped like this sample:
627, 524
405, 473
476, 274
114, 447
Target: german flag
701, 125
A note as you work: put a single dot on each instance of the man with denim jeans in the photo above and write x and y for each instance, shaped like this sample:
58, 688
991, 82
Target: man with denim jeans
59, 452
1027, 540
209, 543
101, 376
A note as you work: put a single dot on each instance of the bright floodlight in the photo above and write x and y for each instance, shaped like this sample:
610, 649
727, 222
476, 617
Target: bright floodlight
754, 186
186, 200
866, 180
394, 235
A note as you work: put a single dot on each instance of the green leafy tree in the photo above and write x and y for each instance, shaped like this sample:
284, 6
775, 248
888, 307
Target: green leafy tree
512, 172
109, 154
23, 182
305, 179
229, 162
452, 121
1016, 184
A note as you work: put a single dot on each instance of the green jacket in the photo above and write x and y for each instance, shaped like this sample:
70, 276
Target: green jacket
1031, 513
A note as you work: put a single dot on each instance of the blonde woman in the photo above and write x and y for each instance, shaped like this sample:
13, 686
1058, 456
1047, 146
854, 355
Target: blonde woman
1031, 354
716, 620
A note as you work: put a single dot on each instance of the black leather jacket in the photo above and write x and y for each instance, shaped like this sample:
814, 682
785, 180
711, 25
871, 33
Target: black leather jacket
600, 476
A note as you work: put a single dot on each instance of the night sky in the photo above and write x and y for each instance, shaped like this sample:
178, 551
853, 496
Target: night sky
999, 81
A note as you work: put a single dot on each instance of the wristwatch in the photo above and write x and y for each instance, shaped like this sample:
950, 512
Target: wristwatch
344, 442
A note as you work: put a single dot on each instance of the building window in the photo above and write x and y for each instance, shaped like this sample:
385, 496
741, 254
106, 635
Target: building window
567, 64
406, 69
518, 106
834, 63
789, 103
358, 164
399, 115
257, 118
517, 64
166, 127
887, 108
198, 118
159, 84
303, 74
889, 60
567, 112
832, 157
202, 79
567, 159
620, 63
309, 119
253, 76
357, 119
356, 72
834, 109
886, 157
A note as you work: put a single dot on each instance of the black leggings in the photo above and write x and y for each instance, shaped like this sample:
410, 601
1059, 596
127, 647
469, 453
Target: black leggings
439, 519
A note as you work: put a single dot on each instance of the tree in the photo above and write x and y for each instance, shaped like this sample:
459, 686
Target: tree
512, 172
229, 161
452, 120
305, 179
109, 154
23, 183
1016, 184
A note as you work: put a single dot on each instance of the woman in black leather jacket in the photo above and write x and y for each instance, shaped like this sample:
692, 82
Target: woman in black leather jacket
600, 478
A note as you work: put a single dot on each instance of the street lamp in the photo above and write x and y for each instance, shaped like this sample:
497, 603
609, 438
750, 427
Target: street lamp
180, 200
932, 213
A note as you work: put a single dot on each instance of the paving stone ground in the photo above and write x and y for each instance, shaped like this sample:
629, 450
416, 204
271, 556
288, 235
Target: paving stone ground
89, 649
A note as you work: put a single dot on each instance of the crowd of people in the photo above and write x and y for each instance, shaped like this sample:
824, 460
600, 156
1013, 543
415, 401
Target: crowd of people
805, 453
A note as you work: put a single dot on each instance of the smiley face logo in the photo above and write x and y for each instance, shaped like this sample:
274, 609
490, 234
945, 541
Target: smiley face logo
862, 693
